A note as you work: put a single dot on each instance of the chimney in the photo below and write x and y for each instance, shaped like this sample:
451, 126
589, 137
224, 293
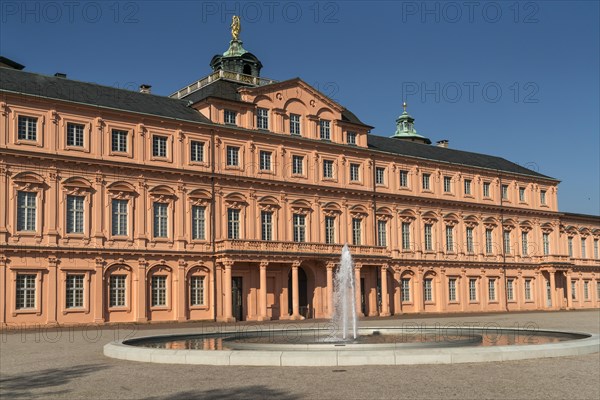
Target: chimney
60, 75
442, 143
145, 88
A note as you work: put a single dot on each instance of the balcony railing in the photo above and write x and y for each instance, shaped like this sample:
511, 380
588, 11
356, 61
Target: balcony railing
232, 76
296, 247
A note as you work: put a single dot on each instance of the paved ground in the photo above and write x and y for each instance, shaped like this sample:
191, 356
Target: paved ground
68, 363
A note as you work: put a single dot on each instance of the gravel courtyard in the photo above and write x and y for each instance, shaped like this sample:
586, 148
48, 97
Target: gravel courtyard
68, 363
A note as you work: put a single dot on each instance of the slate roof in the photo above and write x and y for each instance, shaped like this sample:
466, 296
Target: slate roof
96, 95
435, 153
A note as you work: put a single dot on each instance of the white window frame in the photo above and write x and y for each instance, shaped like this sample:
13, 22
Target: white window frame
295, 125
299, 228
380, 175
262, 119
233, 156
382, 233
356, 231
116, 141
27, 212
265, 157
159, 285
160, 220
197, 151
160, 146
27, 127
330, 229
233, 223
354, 172
75, 218
297, 164
229, 117
76, 135
266, 224
26, 291
198, 222
404, 179
197, 291
75, 291
325, 129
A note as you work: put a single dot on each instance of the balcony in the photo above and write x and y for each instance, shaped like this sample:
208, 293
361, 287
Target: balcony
232, 76
296, 247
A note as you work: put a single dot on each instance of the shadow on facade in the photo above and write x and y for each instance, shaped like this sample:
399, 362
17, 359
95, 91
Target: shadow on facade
241, 392
41, 384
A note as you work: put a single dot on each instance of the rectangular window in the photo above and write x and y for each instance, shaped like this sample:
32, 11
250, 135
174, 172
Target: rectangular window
265, 160
504, 192
428, 237
522, 194
266, 222
297, 165
427, 290
233, 156
486, 189
452, 289
25, 291
510, 295
405, 290
381, 233
197, 151
543, 197
492, 289
570, 246
75, 134
233, 223
262, 118
329, 230
354, 172
524, 244
229, 116
449, 239
380, 176
351, 138
598, 289
596, 251
546, 243
506, 236
583, 251
447, 184
197, 291
75, 214
299, 228
470, 246
161, 220
356, 231
528, 289
159, 291
119, 217
324, 130
467, 186
119, 141
74, 295
404, 179
489, 242
159, 146
327, 169
586, 290
426, 179
26, 211
573, 290
295, 124
406, 236
472, 289
198, 222
117, 291
27, 129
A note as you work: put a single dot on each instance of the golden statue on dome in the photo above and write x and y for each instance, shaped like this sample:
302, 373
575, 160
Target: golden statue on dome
236, 27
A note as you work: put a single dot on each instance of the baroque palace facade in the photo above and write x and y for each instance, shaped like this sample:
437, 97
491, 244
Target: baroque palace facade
231, 200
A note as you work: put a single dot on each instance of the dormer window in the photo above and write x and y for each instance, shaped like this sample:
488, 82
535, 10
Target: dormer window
295, 124
351, 138
262, 119
230, 117
325, 131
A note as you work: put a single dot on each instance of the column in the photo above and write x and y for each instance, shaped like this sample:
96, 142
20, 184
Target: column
97, 301
357, 267
442, 298
140, 277
295, 292
418, 290
4, 190
180, 217
262, 292
385, 300
569, 291
330, 267
53, 202
397, 298
3, 288
53, 284
227, 295
99, 210
553, 288
181, 305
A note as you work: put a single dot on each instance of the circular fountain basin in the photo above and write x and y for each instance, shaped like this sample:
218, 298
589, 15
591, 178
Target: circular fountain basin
374, 346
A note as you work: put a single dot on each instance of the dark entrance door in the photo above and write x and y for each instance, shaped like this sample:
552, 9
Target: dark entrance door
363, 303
236, 298
302, 293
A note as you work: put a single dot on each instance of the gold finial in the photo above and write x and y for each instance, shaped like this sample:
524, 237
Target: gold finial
235, 27
404, 106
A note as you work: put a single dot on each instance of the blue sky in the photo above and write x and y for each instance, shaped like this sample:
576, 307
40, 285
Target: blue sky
516, 79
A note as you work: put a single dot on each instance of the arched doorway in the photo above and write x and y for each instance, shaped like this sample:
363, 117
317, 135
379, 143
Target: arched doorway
302, 293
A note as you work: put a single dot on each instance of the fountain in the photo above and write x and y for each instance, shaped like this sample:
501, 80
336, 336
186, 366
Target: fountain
344, 315
340, 344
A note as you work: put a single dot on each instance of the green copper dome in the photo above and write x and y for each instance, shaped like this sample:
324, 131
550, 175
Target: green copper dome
405, 129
